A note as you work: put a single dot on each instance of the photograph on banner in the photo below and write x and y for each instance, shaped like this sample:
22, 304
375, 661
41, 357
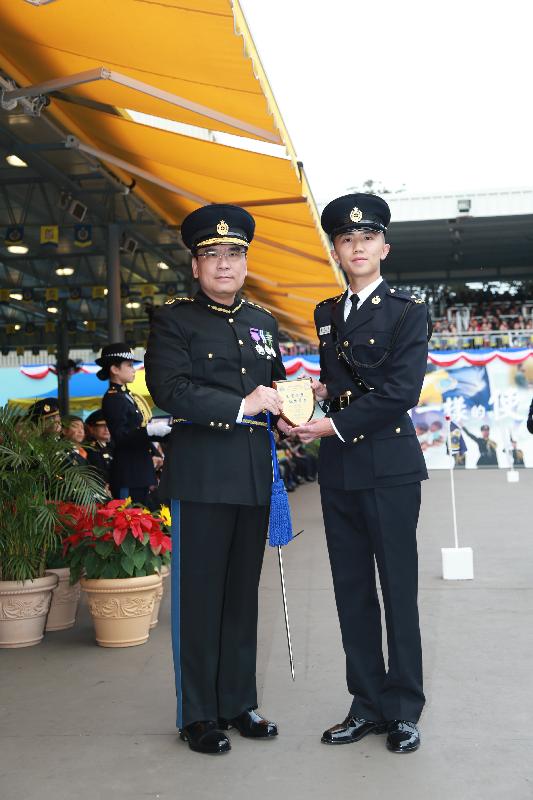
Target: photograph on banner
488, 401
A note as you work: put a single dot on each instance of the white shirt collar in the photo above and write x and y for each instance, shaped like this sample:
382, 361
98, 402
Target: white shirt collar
364, 293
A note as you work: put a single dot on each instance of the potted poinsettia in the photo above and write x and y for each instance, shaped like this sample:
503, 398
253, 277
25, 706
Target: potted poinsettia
36, 475
120, 551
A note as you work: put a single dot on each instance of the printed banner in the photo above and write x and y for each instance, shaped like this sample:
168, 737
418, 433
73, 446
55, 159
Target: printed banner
83, 235
489, 403
49, 234
14, 235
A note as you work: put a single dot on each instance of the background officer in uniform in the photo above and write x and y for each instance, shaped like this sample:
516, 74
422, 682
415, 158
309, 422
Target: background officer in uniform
210, 363
128, 420
99, 445
373, 353
46, 412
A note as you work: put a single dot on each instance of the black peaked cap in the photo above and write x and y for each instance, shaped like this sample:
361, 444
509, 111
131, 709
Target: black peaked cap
217, 224
353, 212
95, 417
46, 407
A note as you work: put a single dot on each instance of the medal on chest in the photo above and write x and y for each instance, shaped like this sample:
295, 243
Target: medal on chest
263, 342
255, 335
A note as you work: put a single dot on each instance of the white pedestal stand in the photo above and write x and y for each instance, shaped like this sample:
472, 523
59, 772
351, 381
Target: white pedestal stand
457, 562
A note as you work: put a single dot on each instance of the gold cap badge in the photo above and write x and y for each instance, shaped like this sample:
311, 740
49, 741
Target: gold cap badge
46, 408
356, 215
222, 228
376, 299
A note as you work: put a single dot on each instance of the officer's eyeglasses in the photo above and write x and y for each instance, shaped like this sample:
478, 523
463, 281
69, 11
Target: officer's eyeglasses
233, 254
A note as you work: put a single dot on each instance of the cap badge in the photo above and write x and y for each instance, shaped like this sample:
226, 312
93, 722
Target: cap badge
222, 228
356, 215
46, 408
376, 299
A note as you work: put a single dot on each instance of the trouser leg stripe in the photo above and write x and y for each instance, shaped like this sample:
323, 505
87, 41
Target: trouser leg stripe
176, 607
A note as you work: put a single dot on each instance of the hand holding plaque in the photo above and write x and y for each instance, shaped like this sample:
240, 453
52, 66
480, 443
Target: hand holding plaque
298, 400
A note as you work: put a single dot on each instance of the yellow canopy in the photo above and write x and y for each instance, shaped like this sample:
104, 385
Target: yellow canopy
192, 62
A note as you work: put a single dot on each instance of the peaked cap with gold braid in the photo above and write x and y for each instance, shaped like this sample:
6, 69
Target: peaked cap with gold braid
218, 223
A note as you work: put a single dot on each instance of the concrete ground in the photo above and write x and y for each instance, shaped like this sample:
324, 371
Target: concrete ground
82, 722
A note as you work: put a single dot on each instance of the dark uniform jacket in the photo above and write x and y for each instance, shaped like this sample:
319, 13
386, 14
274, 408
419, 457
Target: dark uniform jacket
202, 360
385, 342
100, 456
530, 418
132, 462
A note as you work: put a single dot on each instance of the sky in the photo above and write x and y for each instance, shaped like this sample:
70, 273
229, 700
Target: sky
422, 95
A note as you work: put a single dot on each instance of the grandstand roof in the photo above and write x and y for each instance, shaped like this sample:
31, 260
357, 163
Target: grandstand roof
456, 237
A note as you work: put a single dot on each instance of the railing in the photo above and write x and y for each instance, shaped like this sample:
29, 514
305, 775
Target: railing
481, 339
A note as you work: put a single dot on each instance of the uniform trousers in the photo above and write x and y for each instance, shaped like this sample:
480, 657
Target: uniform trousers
138, 494
217, 556
363, 528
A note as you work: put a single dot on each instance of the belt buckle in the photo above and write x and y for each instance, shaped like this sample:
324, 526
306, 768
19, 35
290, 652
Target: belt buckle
344, 400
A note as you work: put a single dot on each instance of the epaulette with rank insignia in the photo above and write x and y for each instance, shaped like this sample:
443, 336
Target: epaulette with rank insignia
256, 305
405, 296
329, 300
179, 300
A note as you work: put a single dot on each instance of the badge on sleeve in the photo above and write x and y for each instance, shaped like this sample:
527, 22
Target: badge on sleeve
324, 329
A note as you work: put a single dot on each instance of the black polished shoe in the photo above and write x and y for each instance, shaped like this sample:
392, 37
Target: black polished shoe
205, 737
352, 730
403, 736
250, 724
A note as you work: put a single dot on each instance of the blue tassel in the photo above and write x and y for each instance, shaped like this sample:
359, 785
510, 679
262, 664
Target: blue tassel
280, 526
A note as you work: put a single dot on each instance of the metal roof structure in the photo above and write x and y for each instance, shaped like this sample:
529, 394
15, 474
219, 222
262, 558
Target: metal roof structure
127, 127
457, 237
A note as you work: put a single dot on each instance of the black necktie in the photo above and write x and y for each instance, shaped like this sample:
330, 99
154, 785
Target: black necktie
353, 311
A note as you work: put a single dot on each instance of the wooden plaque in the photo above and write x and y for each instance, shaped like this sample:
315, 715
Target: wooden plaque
298, 400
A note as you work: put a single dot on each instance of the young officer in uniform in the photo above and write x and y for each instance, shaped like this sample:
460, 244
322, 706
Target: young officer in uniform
373, 353
210, 363
99, 445
128, 420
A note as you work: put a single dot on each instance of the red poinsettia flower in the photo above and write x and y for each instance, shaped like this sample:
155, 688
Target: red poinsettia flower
122, 519
160, 542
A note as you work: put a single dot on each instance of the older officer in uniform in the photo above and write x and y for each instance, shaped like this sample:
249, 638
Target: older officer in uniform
373, 352
128, 420
210, 363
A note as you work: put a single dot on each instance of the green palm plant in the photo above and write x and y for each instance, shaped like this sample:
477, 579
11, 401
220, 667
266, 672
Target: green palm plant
35, 475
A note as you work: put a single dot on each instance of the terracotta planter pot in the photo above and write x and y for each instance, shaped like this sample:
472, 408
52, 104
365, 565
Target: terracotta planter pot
165, 572
23, 609
65, 600
121, 608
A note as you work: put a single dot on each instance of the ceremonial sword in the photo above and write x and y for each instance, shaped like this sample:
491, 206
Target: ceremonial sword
286, 610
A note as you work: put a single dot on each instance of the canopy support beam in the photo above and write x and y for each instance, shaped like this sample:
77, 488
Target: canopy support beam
9, 97
114, 307
73, 143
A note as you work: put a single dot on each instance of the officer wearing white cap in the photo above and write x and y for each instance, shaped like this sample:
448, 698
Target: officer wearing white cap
129, 420
373, 354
